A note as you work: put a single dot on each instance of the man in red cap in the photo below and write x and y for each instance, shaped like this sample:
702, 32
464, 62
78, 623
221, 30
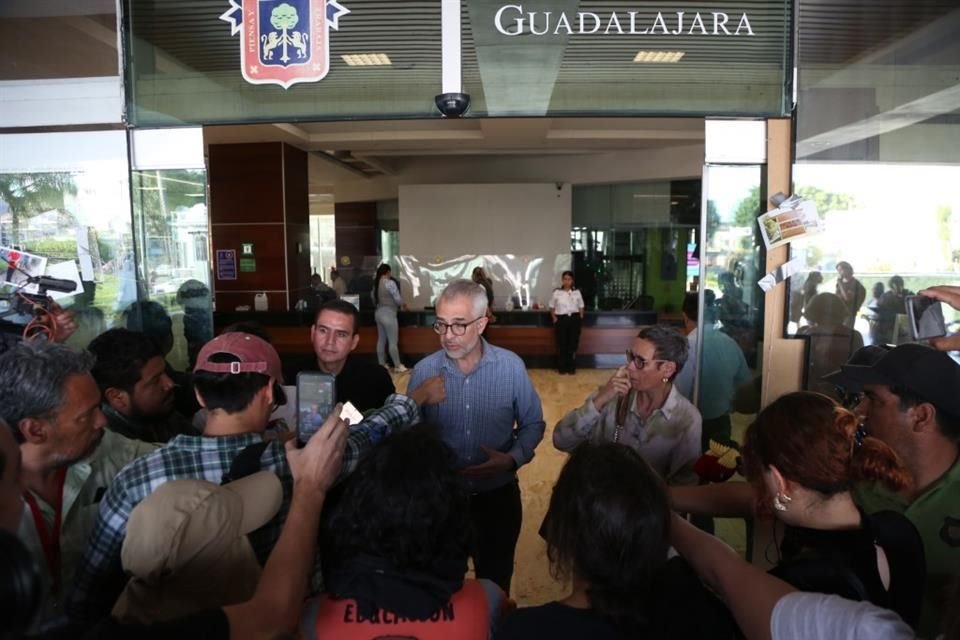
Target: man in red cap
237, 379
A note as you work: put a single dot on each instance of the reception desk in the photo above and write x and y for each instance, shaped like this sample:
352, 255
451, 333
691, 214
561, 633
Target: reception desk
603, 339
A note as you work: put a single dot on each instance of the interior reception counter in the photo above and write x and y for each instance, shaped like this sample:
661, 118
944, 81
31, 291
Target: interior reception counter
604, 337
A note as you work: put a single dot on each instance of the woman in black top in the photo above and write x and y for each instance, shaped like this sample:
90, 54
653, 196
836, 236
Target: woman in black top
606, 530
803, 454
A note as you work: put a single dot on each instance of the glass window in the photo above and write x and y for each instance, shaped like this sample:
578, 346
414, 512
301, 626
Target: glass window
877, 140
323, 245
732, 305
384, 60
878, 86
45, 40
630, 243
626, 57
64, 197
882, 241
185, 64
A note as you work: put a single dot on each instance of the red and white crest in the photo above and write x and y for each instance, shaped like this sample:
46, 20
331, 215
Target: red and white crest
284, 42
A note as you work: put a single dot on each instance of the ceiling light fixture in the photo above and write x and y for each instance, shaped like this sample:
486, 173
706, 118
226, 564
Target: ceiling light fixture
366, 59
658, 56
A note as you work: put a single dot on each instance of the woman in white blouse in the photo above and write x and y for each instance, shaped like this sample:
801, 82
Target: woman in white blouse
566, 309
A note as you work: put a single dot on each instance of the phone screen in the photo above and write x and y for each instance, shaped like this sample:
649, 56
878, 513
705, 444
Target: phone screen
926, 317
315, 400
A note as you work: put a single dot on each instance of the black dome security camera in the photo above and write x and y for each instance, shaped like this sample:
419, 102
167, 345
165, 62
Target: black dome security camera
452, 105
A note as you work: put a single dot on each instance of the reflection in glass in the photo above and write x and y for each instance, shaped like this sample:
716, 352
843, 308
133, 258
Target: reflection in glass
896, 239
171, 219
77, 217
890, 231
727, 352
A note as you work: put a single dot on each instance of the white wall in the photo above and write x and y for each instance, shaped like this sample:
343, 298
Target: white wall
519, 232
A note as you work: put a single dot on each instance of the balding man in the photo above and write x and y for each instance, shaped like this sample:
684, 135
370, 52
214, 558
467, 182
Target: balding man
491, 417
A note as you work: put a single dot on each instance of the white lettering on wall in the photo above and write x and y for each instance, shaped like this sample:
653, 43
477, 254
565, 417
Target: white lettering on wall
720, 23
498, 19
697, 21
744, 24
596, 22
546, 25
512, 20
610, 24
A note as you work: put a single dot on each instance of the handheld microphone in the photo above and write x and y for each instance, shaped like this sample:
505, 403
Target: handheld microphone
56, 284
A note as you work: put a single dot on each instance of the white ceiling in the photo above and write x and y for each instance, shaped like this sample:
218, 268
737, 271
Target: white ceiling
391, 148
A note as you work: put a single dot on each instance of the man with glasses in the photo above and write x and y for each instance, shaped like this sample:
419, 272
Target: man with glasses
334, 336
641, 408
491, 417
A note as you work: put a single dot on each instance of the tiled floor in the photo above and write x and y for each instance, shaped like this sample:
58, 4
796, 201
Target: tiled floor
532, 583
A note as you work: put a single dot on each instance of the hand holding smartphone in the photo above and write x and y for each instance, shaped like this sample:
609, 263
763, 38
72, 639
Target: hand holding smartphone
316, 396
926, 317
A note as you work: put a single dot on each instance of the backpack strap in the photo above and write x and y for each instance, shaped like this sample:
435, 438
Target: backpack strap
246, 463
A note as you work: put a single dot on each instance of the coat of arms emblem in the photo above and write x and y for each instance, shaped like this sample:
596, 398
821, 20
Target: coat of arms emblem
284, 41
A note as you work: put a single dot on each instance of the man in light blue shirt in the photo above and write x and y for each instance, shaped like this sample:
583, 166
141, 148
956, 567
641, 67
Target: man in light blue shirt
491, 418
724, 371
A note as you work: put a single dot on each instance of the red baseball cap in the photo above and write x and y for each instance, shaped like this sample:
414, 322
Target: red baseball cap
255, 355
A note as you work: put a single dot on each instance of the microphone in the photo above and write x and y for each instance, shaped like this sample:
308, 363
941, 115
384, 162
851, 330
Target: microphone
55, 284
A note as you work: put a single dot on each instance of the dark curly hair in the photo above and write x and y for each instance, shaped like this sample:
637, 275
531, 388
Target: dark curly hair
608, 523
121, 356
405, 504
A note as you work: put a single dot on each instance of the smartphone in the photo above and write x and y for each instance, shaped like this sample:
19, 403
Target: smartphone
316, 396
926, 317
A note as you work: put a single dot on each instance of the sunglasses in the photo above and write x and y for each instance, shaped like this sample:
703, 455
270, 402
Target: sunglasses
639, 361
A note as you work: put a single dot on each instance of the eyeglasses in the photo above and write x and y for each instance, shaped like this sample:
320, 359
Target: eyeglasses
639, 361
457, 328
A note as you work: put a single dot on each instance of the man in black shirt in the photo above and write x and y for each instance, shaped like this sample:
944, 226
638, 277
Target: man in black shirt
334, 335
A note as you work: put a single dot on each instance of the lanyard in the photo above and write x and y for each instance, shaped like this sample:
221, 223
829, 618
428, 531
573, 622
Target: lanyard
50, 540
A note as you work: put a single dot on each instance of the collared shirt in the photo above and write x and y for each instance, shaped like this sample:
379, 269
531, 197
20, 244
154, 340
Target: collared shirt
936, 515
85, 485
724, 371
205, 458
482, 407
668, 439
159, 432
565, 302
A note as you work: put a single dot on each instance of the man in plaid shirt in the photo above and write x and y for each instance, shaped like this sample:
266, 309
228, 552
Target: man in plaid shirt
236, 376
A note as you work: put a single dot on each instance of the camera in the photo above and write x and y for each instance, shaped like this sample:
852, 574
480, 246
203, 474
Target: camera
452, 105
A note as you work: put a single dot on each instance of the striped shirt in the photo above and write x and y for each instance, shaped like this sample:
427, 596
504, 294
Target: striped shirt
99, 575
482, 407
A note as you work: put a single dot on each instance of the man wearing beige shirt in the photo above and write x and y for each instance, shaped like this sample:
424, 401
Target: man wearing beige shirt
641, 408
51, 406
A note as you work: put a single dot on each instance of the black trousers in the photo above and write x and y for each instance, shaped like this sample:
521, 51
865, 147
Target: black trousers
497, 516
717, 429
568, 338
